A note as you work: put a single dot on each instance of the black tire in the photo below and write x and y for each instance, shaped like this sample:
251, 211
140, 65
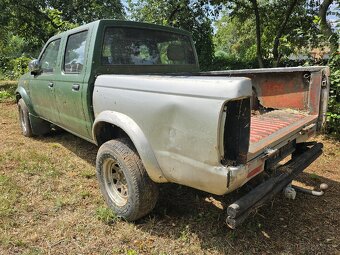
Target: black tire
24, 119
124, 182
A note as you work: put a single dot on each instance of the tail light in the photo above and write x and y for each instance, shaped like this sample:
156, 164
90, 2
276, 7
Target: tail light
236, 131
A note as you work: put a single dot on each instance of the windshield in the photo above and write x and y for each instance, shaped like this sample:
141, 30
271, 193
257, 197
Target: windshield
135, 46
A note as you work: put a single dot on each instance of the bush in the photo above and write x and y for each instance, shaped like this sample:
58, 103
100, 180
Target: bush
12, 69
333, 114
7, 89
223, 61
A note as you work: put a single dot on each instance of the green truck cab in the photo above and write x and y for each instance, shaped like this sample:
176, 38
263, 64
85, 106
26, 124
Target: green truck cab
62, 79
135, 90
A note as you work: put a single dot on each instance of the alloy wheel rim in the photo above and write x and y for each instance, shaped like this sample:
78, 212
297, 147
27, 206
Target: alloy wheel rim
115, 182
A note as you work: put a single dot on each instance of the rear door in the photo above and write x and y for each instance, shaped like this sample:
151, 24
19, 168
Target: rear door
42, 86
71, 91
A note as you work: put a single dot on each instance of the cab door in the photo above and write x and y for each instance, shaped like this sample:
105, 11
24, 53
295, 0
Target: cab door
42, 86
71, 92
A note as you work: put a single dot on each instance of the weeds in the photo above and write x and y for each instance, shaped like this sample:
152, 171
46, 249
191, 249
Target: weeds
131, 252
106, 215
88, 174
4, 94
314, 177
8, 196
59, 204
84, 194
185, 234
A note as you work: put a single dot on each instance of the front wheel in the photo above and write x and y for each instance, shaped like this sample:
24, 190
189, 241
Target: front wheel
124, 182
24, 119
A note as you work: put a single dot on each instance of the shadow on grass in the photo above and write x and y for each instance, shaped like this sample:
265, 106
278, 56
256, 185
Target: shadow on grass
81, 148
306, 225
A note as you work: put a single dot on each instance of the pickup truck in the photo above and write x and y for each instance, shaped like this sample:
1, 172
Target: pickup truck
135, 90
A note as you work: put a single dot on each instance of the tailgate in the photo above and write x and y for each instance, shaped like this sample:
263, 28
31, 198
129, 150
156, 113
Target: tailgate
270, 129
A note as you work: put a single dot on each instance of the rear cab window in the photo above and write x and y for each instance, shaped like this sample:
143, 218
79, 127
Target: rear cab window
137, 46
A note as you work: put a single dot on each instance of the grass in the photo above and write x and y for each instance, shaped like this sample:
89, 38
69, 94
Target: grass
9, 194
314, 176
50, 203
106, 215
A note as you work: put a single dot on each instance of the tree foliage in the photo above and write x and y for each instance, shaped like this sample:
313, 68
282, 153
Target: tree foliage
37, 20
333, 114
326, 29
234, 39
26, 25
285, 27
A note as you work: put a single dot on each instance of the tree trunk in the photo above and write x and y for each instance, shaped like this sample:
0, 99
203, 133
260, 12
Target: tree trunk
325, 27
258, 33
280, 32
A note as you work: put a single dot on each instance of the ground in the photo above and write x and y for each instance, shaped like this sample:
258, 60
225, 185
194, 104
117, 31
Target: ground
50, 203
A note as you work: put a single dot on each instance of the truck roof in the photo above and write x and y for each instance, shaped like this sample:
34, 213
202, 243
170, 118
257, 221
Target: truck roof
124, 23
98, 28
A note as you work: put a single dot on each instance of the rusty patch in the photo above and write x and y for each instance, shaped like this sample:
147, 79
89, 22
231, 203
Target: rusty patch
283, 94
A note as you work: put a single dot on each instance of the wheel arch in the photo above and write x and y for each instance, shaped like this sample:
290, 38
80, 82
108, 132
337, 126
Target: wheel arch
110, 125
20, 92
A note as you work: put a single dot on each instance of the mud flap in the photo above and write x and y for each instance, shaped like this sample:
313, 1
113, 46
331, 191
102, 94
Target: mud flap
39, 126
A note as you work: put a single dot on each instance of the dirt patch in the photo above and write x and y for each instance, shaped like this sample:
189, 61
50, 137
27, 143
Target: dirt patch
50, 204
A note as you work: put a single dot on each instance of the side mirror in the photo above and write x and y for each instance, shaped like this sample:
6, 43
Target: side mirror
35, 67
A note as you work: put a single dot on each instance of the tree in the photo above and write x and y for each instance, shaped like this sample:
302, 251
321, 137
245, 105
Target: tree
281, 27
184, 14
237, 41
244, 10
281, 30
80, 12
325, 27
26, 24
38, 20
258, 32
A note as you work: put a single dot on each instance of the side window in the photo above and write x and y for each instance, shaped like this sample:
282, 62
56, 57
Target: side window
48, 59
74, 53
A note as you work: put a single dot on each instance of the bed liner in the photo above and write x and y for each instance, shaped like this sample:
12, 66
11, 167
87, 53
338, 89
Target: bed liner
271, 128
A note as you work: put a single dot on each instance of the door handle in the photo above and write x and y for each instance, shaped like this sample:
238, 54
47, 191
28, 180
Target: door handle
75, 87
50, 84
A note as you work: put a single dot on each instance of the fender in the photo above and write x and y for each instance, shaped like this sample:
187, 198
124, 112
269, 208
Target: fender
38, 125
137, 137
23, 94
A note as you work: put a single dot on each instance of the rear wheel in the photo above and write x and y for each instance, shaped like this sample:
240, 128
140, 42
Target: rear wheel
24, 119
124, 182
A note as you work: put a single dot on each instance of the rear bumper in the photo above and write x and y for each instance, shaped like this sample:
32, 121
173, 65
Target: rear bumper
243, 173
240, 209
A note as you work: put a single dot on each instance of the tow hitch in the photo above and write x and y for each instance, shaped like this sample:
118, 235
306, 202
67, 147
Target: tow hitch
241, 209
290, 189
